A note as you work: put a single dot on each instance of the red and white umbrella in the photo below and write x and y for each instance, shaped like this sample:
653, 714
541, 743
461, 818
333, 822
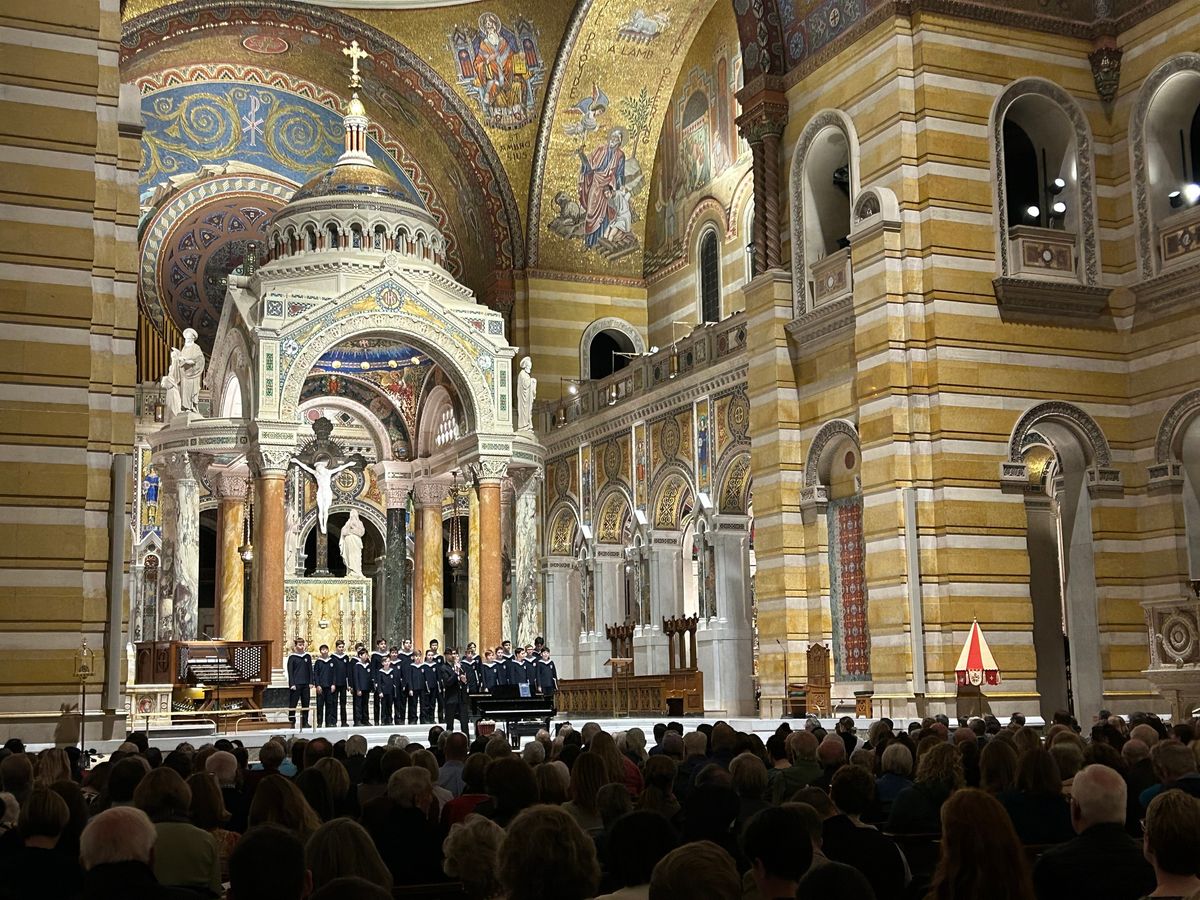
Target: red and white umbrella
976, 665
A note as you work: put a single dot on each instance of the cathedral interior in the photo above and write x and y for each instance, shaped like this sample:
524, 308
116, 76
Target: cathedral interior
769, 344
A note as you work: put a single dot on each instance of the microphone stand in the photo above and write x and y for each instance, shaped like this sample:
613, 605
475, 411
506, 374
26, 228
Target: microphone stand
787, 697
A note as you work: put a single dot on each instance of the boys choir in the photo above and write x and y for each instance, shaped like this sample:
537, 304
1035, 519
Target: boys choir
402, 688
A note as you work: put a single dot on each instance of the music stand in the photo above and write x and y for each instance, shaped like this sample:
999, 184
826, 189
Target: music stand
618, 663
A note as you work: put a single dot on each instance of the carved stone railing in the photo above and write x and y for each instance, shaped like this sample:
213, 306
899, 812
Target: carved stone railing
1043, 252
1179, 239
832, 278
648, 694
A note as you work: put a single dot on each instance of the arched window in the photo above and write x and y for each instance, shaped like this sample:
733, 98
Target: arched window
310, 237
823, 183
379, 238
356, 236
710, 277
606, 352
1044, 195
1165, 134
334, 242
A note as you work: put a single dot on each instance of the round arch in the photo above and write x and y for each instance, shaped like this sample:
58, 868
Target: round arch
608, 323
672, 491
1169, 439
733, 485
462, 357
373, 424
614, 511
562, 535
820, 123
1169, 70
819, 458
1073, 418
1039, 87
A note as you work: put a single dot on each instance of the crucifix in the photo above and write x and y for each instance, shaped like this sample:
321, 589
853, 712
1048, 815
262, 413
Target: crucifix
355, 53
323, 459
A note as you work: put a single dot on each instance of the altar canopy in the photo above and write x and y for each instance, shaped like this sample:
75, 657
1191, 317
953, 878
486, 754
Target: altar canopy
976, 665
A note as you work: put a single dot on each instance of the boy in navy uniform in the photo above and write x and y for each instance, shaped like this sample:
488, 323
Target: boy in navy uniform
439, 665
515, 670
490, 671
385, 691
363, 683
299, 676
323, 681
428, 688
407, 702
547, 675
341, 679
378, 655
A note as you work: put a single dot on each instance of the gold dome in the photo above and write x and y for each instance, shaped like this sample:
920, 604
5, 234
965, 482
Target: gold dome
354, 179
355, 107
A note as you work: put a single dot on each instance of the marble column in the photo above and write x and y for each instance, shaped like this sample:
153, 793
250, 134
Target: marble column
764, 116
269, 530
473, 567
725, 641
490, 577
396, 621
562, 628
179, 585
430, 495
526, 596
666, 594
231, 488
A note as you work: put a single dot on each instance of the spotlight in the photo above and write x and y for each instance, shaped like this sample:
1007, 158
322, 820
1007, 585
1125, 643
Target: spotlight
1032, 212
653, 349
1056, 186
573, 389
1059, 208
1176, 199
1191, 192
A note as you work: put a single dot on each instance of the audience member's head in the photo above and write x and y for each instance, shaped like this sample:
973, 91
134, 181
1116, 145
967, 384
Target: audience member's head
342, 847
1172, 842
831, 752
207, 809
277, 801
1172, 760
271, 755
16, 772
1145, 733
940, 765
316, 791
471, 854
553, 780
511, 786
268, 864
777, 843
612, 802
456, 747
817, 799
637, 842
749, 776
54, 765
897, 760
43, 817
1068, 757
547, 856
997, 767
163, 795
1037, 773
1097, 798
119, 835
981, 856
223, 765
411, 788
852, 790
700, 870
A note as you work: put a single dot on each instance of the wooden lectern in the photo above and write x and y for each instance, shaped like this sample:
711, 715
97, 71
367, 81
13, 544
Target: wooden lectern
619, 664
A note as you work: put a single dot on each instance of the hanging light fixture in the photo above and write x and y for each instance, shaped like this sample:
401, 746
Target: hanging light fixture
454, 554
246, 551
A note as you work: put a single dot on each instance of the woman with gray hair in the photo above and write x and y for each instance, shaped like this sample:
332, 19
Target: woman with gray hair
472, 850
895, 775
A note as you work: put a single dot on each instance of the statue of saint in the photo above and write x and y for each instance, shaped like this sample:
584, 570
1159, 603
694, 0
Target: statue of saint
171, 398
187, 368
352, 544
291, 542
526, 391
323, 475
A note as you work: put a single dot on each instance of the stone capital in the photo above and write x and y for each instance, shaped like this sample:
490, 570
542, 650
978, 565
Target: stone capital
764, 110
271, 460
230, 484
395, 481
489, 469
526, 478
430, 493
180, 465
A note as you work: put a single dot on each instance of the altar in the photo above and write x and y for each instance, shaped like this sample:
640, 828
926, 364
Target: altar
326, 610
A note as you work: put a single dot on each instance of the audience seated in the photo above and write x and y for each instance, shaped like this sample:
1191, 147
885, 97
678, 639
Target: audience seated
1038, 809
342, 847
116, 850
547, 856
895, 776
39, 868
184, 856
269, 864
474, 792
1102, 862
472, 856
846, 839
981, 858
277, 801
637, 841
1172, 844
700, 870
776, 844
917, 810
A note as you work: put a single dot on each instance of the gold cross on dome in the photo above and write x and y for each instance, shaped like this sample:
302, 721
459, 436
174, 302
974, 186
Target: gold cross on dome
355, 53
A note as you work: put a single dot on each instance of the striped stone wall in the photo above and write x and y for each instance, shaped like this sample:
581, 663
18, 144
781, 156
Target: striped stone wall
68, 222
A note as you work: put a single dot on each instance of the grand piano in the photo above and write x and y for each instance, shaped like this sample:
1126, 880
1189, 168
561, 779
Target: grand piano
225, 678
521, 716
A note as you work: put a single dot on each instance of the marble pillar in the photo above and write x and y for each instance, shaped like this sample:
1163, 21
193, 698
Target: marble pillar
508, 545
269, 530
526, 596
397, 608
666, 596
179, 585
562, 625
725, 641
231, 488
490, 576
473, 567
429, 498
418, 581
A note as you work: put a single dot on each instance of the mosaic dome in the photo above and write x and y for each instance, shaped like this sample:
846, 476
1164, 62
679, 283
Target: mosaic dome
350, 179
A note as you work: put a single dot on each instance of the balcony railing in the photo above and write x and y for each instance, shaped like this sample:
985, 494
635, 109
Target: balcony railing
1043, 253
831, 278
1179, 239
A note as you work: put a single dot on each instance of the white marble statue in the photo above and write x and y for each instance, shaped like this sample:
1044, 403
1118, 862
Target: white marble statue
291, 542
352, 544
171, 400
526, 392
187, 368
323, 475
